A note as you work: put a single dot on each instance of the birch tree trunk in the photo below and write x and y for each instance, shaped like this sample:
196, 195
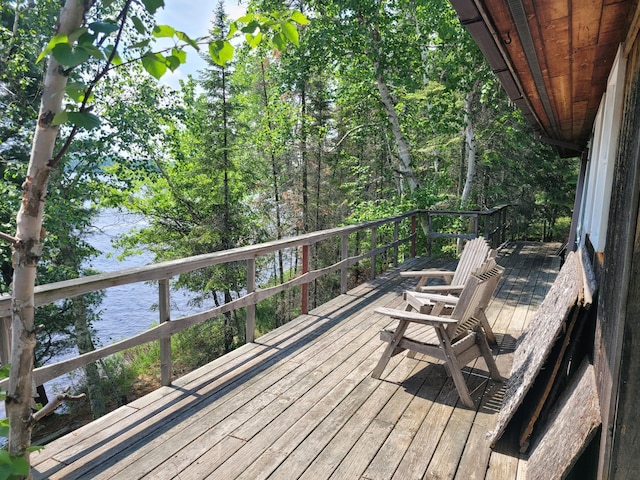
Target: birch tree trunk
390, 108
401, 142
470, 151
27, 248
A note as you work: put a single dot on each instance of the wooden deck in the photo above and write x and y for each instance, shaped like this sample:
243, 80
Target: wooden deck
300, 403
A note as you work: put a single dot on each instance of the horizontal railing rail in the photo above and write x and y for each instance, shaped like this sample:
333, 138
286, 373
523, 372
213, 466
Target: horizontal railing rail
163, 272
491, 223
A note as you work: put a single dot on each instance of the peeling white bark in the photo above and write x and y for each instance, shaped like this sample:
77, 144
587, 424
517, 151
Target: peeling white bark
470, 151
401, 142
27, 250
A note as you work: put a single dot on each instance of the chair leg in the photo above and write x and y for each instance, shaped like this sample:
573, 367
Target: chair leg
481, 340
487, 329
454, 369
390, 349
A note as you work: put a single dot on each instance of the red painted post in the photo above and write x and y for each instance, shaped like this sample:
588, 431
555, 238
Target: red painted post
413, 236
305, 286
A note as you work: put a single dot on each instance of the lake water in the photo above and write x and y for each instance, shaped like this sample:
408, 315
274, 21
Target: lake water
128, 309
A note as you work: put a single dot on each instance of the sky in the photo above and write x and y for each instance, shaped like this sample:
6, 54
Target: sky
194, 18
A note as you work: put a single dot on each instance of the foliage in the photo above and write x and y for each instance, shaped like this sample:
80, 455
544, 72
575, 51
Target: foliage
10, 466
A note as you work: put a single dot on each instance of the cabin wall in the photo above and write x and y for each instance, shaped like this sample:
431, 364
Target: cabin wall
617, 341
602, 154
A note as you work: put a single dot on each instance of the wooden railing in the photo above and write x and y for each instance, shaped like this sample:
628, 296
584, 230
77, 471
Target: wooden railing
492, 224
163, 272
492, 221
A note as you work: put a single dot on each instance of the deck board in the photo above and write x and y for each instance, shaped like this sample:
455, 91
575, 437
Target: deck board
300, 403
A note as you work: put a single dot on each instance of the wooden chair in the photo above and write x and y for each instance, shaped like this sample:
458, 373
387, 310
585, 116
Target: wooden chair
474, 254
457, 338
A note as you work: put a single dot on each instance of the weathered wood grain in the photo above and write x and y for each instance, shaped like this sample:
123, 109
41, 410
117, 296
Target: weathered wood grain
569, 429
536, 343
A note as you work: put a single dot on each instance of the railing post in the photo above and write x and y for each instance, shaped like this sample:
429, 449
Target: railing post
430, 238
305, 286
250, 324
396, 232
164, 309
503, 227
5, 340
413, 235
344, 254
476, 221
374, 246
488, 223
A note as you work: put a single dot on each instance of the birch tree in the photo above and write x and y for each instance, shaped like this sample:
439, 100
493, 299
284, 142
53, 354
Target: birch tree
27, 246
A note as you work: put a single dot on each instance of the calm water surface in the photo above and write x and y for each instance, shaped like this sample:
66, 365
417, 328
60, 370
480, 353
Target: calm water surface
128, 309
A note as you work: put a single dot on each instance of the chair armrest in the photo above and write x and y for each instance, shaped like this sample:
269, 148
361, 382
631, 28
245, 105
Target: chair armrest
433, 298
441, 289
428, 273
414, 316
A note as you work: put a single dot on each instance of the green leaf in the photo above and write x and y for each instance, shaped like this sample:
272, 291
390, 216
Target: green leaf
153, 5
68, 56
77, 91
233, 28
20, 466
85, 120
58, 39
299, 18
250, 27
280, 41
290, 32
138, 25
179, 54
141, 44
173, 62
253, 40
155, 65
95, 52
60, 118
86, 39
77, 33
116, 57
6, 470
187, 39
163, 31
5, 458
221, 52
4, 370
104, 27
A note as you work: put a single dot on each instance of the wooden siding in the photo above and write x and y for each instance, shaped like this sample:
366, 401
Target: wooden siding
300, 402
616, 357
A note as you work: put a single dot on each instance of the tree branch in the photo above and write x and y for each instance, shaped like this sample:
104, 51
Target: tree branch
83, 107
349, 132
55, 403
8, 238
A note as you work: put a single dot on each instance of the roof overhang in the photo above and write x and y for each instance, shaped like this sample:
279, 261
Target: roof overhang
552, 57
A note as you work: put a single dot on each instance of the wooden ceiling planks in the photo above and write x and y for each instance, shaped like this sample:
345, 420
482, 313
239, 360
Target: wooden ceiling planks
575, 42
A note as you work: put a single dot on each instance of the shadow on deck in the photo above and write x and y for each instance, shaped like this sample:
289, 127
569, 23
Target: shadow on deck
300, 402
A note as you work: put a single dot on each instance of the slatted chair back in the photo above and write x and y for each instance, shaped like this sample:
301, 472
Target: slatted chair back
474, 299
474, 254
